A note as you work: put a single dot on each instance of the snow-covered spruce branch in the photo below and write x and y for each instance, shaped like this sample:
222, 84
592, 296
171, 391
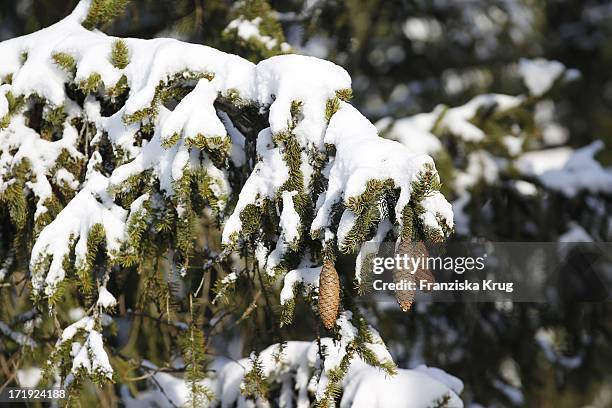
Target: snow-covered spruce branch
108, 143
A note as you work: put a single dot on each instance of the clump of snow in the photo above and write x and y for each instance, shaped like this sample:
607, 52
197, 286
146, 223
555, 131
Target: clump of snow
249, 29
539, 74
513, 144
457, 120
73, 224
169, 164
105, 298
422, 29
545, 338
162, 57
420, 387
525, 188
283, 79
29, 377
436, 206
337, 352
267, 177
581, 172
195, 115
346, 224
309, 277
568, 240
481, 167
86, 323
361, 155
230, 278
40, 154
552, 132
289, 220
512, 393
4, 105
261, 254
167, 391
88, 355
76, 313
539, 161
91, 356
575, 233
237, 153
276, 256
414, 132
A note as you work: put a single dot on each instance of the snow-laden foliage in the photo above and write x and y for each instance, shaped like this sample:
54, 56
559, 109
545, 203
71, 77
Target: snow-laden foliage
292, 368
112, 149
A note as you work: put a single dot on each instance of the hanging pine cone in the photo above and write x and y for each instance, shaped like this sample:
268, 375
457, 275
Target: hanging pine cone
423, 273
329, 294
405, 298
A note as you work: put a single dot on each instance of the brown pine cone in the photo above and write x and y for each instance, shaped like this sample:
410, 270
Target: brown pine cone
418, 249
329, 294
405, 298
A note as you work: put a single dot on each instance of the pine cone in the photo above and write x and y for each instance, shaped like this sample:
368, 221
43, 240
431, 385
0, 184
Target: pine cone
423, 273
329, 294
405, 298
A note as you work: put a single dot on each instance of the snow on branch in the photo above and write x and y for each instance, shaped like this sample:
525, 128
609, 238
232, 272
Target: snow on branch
295, 367
119, 139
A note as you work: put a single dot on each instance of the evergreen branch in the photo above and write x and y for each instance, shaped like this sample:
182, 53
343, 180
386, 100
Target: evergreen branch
102, 12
